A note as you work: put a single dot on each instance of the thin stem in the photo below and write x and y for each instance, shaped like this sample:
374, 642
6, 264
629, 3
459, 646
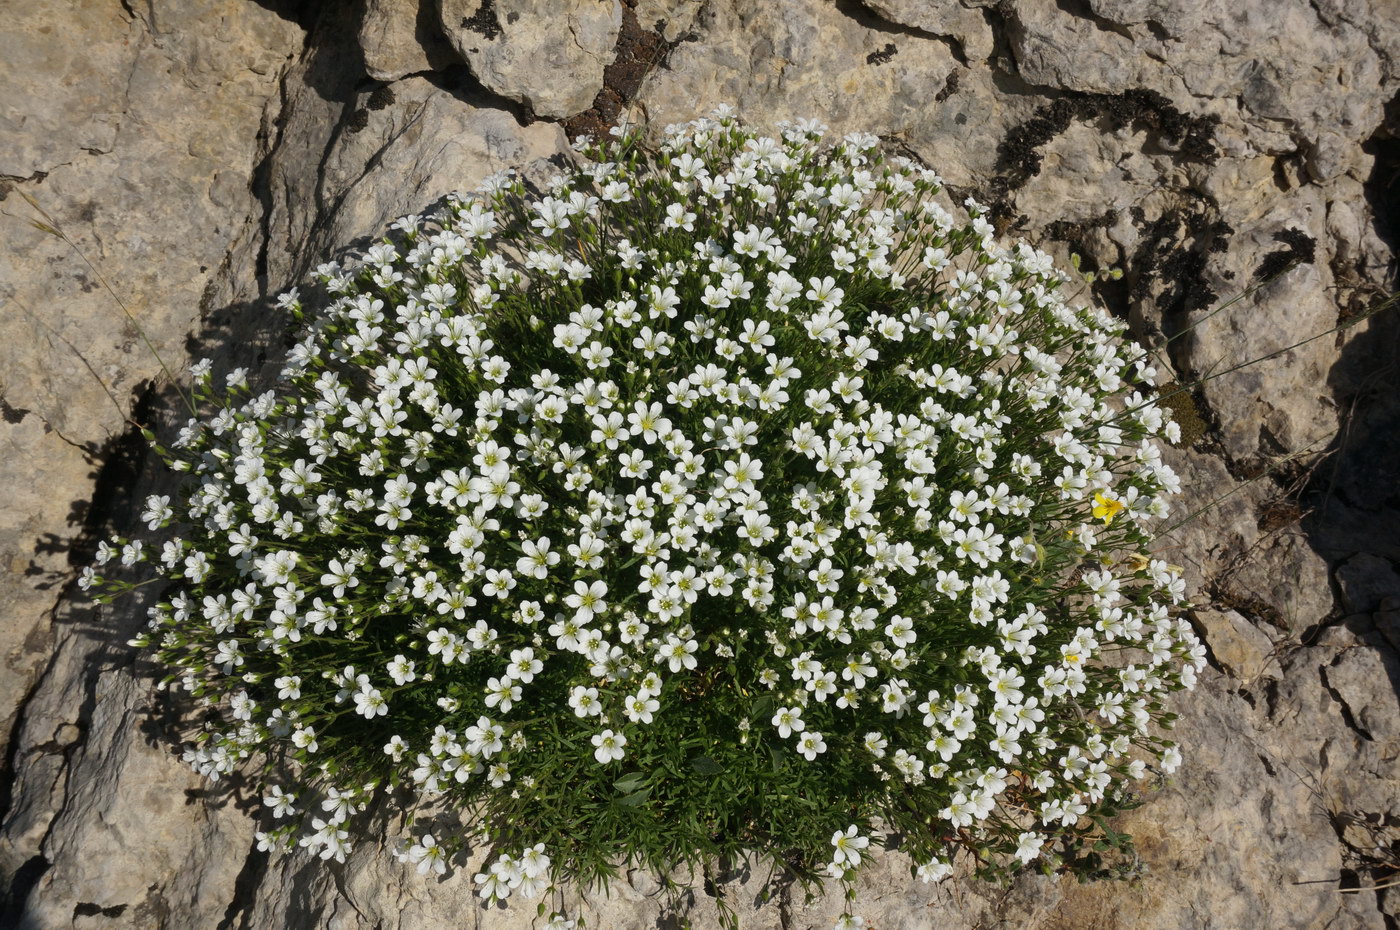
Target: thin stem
1187, 388
1240, 487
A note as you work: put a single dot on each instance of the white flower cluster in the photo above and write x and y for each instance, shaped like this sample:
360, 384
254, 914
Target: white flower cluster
750, 423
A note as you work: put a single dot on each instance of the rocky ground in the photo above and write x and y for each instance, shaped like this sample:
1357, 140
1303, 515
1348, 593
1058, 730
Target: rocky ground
202, 155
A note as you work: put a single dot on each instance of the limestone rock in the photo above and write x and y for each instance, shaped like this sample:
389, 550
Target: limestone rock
1267, 392
402, 160
1174, 17
1241, 648
1366, 580
1352, 677
1231, 794
789, 58
62, 60
545, 54
207, 154
962, 22
671, 19
400, 37
1284, 576
1058, 49
137, 134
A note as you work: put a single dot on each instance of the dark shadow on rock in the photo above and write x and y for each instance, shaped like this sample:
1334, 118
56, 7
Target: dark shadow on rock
459, 81
1356, 496
1352, 501
302, 12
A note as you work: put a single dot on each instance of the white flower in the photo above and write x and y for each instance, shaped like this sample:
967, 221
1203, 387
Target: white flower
788, 720
848, 846
523, 665
587, 600
811, 744
1028, 846
282, 803
640, 708
609, 746
935, 870
538, 558
678, 653
371, 703
401, 669
584, 701
746, 402
502, 693
428, 855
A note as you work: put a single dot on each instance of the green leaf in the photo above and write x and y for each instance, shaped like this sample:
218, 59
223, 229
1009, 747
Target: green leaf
777, 762
705, 765
635, 799
629, 783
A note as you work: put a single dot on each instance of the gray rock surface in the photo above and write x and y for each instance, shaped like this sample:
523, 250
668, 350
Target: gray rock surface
205, 155
674, 17
1241, 649
136, 132
546, 54
402, 37
963, 22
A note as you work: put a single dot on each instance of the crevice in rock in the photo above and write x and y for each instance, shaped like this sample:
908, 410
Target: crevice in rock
865, 16
269, 142
302, 12
1348, 717
1003, 57
16, 895
9, 767
330, 59
1080, 9
1382, 186
459, 81
89, 909
329, 210
639, 49
8, 182
1272, 696
245, 890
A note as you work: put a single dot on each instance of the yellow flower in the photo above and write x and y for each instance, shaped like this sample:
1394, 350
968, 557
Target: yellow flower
1137, 560
1106, 507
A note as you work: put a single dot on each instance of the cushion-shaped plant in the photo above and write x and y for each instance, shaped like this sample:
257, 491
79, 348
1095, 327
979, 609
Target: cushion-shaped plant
728, 496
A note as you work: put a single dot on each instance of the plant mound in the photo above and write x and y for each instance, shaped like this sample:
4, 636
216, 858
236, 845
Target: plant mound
728, 496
